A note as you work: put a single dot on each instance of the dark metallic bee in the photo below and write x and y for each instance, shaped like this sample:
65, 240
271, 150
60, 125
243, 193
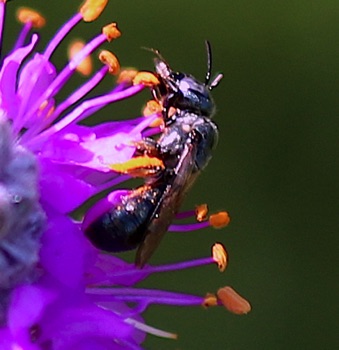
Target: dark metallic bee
143, 215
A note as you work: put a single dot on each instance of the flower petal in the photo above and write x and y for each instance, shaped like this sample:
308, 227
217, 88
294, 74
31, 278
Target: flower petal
8, 75
65, 253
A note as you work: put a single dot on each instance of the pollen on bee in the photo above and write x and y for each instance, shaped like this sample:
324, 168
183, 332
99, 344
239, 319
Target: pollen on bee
219, 220
139, 166
220, 256
92, 9
85, 67
233, 302
146, 78
26, 15
111, 31
111, 61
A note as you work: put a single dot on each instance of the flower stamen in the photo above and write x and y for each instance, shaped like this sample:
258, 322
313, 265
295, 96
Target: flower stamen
154, 107
126, 76
85, 67
74, 97
233, 302
111, 31
150, 330
220, 256
219, 220
146, 78
65, 74
201, 212
28, 16
111, 61
210, 300
92, 9
61, 34
84, 109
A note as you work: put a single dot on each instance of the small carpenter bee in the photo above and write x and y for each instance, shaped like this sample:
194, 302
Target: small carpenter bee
142, 216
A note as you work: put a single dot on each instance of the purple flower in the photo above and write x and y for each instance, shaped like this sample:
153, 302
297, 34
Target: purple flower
56, 290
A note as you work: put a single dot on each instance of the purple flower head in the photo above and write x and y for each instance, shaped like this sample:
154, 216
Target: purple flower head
57, 291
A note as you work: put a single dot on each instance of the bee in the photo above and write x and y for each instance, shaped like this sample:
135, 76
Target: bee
141, 216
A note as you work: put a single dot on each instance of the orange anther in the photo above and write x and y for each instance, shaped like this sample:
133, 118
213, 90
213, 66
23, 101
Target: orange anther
26, 15
146, 78
126, 76
210, 300
92, 9
111, 31
152, 107
220, 256
219, 220
85, 67
111, 61
233, 302
201, 212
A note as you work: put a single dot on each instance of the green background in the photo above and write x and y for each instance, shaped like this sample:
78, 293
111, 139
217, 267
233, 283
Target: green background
275, 168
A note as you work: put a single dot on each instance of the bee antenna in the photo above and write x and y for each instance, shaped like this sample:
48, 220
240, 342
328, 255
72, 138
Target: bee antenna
216, 80
209, 62
155, 51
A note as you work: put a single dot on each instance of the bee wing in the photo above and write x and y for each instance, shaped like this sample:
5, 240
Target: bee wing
168, 205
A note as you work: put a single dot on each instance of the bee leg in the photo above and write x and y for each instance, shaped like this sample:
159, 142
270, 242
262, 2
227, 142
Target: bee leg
149, 147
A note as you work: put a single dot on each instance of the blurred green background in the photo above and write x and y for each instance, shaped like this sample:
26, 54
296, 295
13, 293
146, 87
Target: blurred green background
275, 168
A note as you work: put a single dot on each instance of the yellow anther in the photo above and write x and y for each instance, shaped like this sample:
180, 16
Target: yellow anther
233, 302
219, 220
27, 15
92, 9
220, 256
210, 300
85, 67
111, 61
146, 78
201, 212
126, 76
111, 31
